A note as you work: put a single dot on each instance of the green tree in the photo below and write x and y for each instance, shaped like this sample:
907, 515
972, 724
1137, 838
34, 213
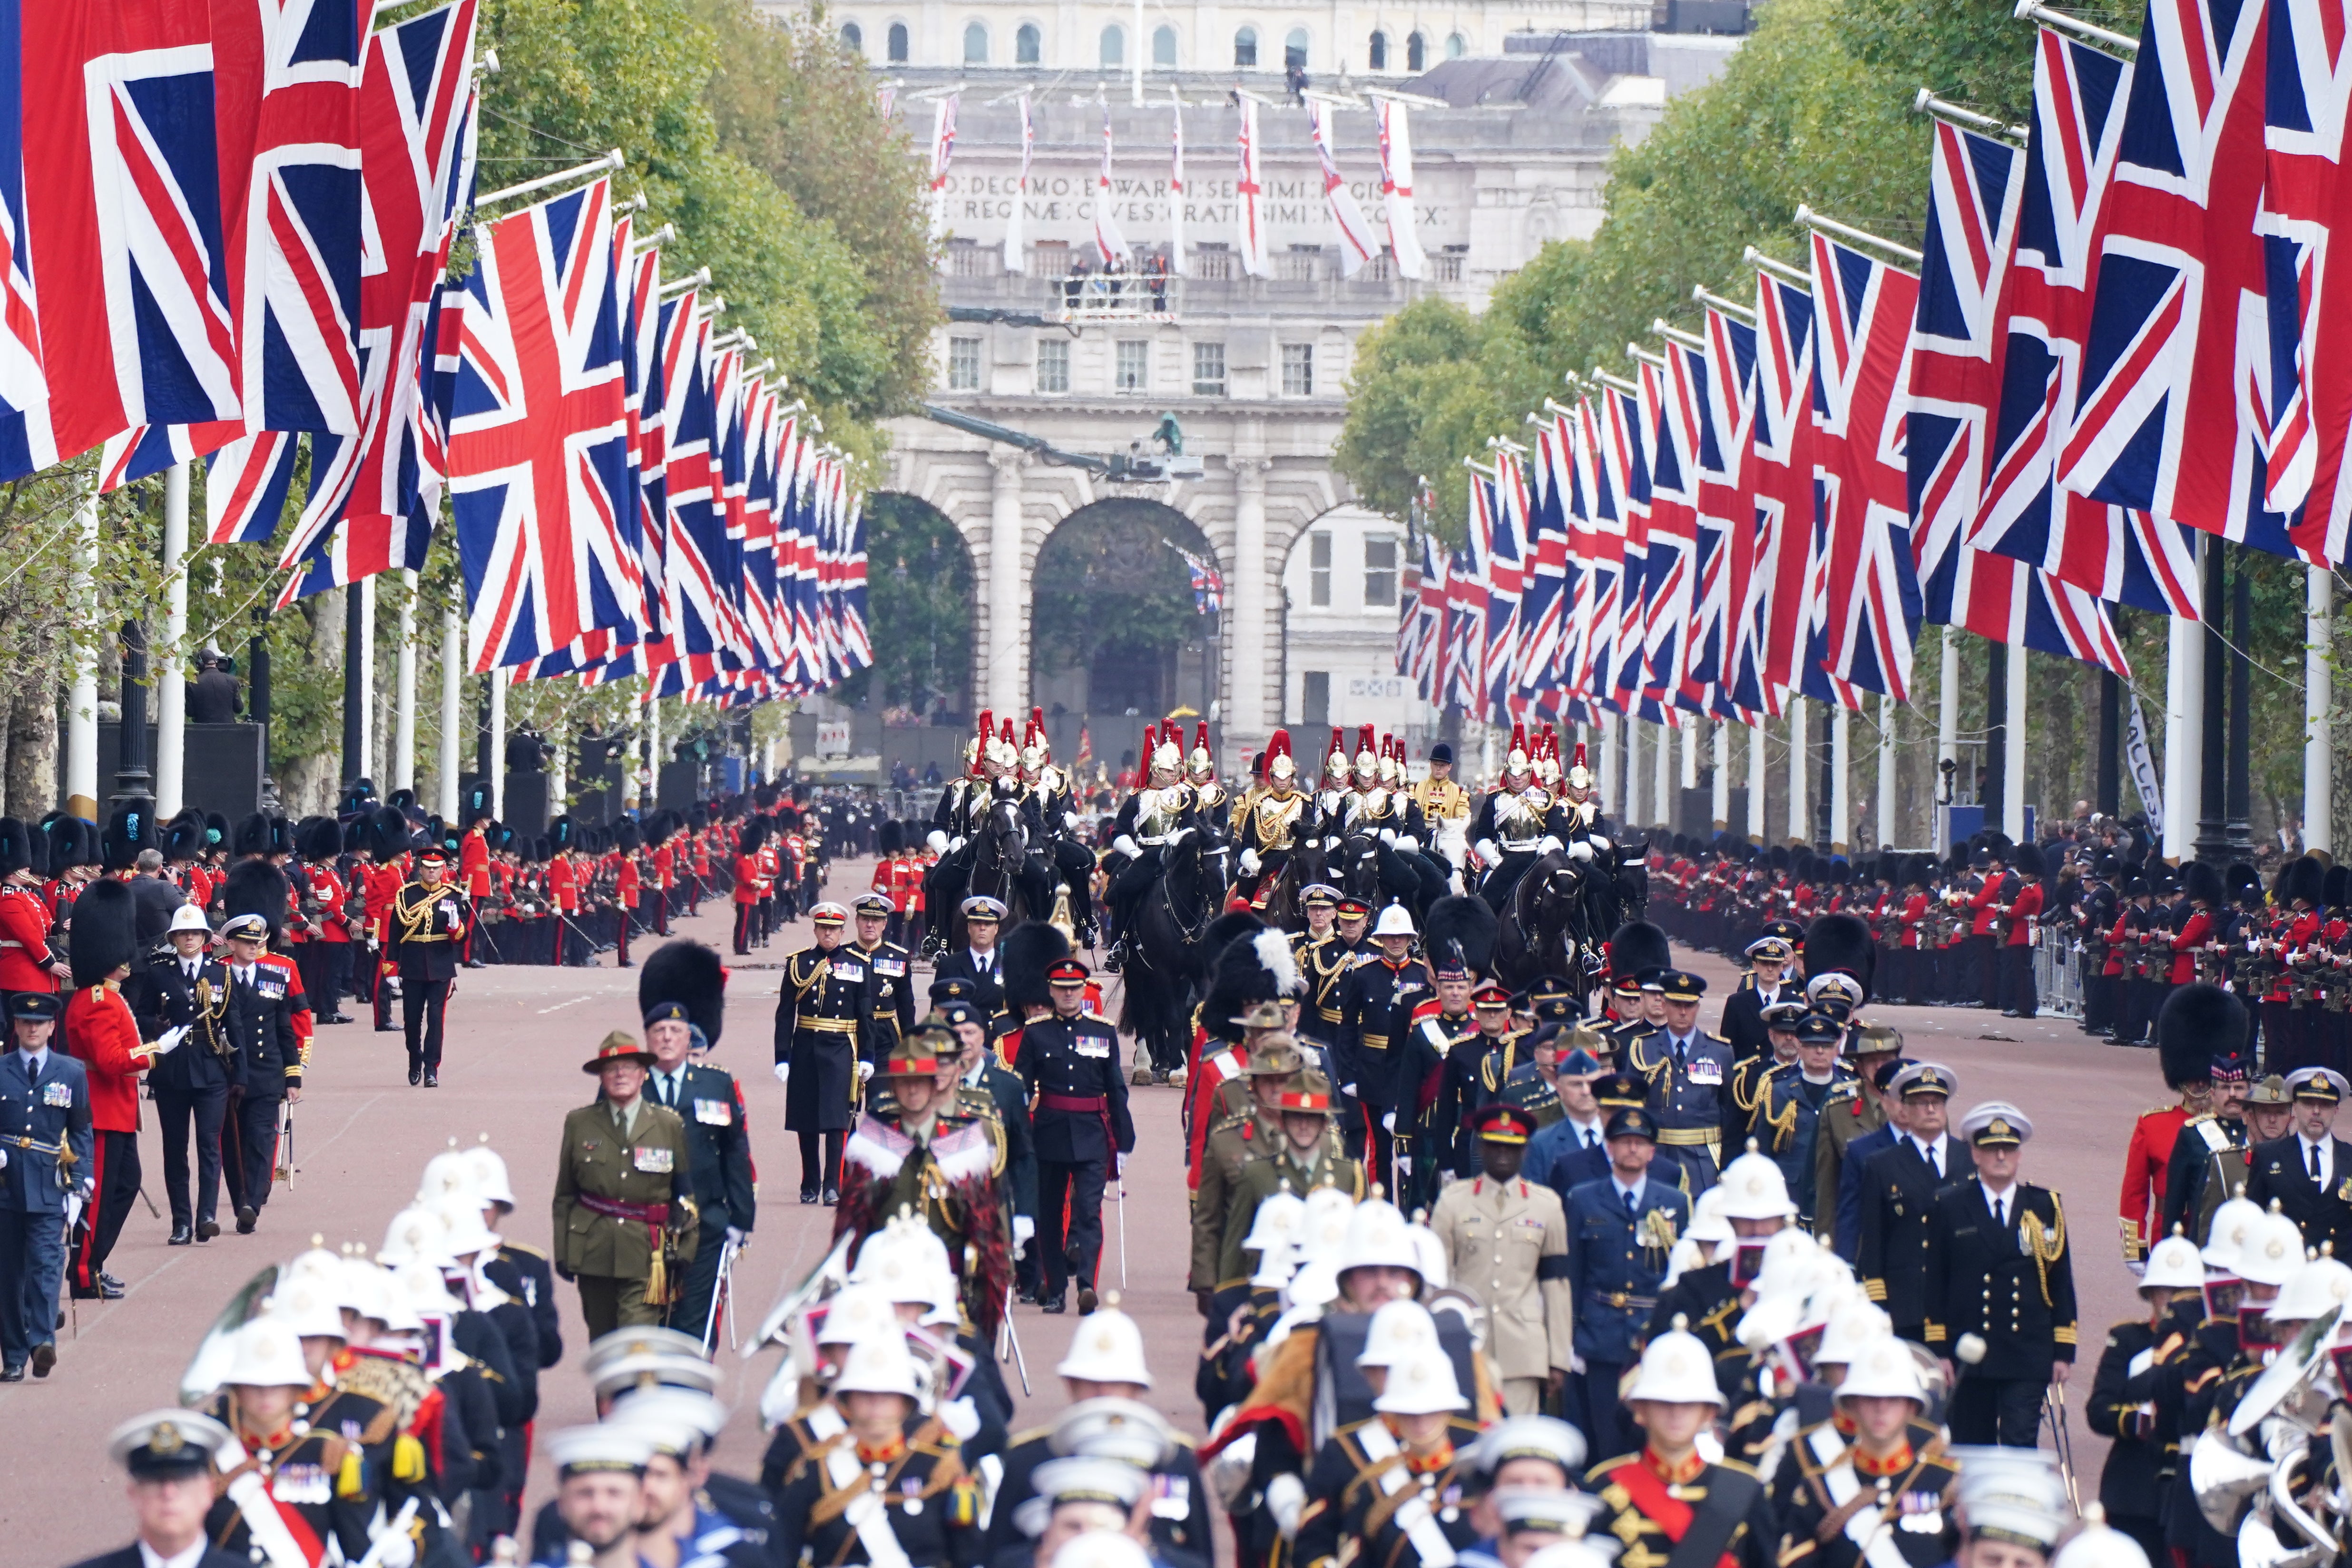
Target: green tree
918, 585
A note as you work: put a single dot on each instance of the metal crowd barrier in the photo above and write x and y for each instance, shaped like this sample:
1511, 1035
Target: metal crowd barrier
2058, 974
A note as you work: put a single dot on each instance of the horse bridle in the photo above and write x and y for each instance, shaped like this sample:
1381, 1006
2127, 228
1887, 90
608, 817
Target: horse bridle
1192, 935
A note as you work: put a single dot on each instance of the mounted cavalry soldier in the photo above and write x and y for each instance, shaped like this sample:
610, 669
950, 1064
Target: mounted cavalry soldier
1050, 811
1445, 808
1150, 819
1274, 821
962, 805
1516, 825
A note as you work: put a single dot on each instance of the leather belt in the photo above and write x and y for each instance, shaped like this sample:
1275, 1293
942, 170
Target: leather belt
646, 1213
1619, 1299
1689, 1138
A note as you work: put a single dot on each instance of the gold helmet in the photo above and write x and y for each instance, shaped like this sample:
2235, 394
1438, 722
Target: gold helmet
1200, 766
1168, 757
1547, 756
1003, 755
1518, 766
1034, 751
1391, 762
1281, 771
1368, 760
1335, 767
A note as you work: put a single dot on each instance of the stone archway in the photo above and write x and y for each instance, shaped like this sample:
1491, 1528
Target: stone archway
922, 582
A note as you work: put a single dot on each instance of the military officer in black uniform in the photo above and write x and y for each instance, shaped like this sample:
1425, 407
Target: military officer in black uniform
1070, 1062
1688, 1070
984, 1083
710, 1103
260, 1024
1743, 1024
1999, 1273
889, 976
169, 1456
183, 987
429, 922
821, 1021
1620, 1229
1899, 1186
1377, 1001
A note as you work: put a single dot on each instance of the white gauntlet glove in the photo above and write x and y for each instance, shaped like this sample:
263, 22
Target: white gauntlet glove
937, 842
1548, 845
169, 1040
1580, 853
1286, 1498
1489, 852
1023, 1227
783, 1071
1249, 862
1388, 836
865, 1071
1128, 846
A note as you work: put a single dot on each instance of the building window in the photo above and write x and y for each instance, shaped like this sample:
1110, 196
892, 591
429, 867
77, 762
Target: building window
1297, 370
1294, 50
1319, 569
1416, 53
1380, 572
976, 44
1133, 369
895, 43
1208, 370
1316, 698
853, 37
1114, 44
1028, 44
1245, 48
1378, 56
963, 364
1455, 46
1163, 47
1053, 364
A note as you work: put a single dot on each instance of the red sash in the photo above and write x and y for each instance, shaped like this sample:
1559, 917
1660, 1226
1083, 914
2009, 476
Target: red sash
1661, 1507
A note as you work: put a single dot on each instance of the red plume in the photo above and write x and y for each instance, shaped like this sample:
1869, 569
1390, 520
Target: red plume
1520, 738
1201, 736
1579, 754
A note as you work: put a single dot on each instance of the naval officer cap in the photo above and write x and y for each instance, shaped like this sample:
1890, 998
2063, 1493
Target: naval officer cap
1319, 896
1544, 1437
2320, 1086
1818, 1029
1924, 1079
246, 928
981, 907
1996, 1124
873, 906
584, 1450
1783, 1014
1678, 984
1076, 1479
165, 1445
1532, 1510
828, 914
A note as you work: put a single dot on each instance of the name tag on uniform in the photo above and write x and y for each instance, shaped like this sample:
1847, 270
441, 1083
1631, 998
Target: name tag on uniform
1096, 1049
57, 1094
852, 973
654, 1162
714, 1112
1707, 1072
890, 966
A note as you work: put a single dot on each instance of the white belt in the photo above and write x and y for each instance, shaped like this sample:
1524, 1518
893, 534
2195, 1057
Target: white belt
1866, 1526
866, 1514
1520, 846
1411, 1515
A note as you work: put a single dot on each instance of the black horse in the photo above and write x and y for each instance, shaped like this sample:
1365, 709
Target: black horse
1168, 966
1541, 924
997, 862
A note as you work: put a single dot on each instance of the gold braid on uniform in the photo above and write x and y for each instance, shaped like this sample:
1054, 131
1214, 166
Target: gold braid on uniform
2047, 1244
1783, 1126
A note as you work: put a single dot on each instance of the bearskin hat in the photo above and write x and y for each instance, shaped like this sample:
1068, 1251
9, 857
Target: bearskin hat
2202, 882
1638, 945
658, 827
474, 804
764, 796
357, 796
281, 837
105, 934
71, 842
755, 837
890, 838
1031, 948
2244, 884
1841, 942
2197, 1023
252, 836
321, 840
1465, 924
130, 830
183, 837
2028, 862
255, 888
386, 836
1778, 859
696, 818
627, 837
1254, 965
2303, 878
20, 848
687, 972
355, 834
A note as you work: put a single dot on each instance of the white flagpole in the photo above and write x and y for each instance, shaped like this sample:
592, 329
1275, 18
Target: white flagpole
1016, 259
1176, 188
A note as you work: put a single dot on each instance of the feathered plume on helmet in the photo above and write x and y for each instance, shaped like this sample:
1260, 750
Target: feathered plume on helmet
1336, 766
1033, 740
1517, 763
1280, 767
1546, 758
977, 747
1169, 754
1202, 763
1368, 759
1580, 777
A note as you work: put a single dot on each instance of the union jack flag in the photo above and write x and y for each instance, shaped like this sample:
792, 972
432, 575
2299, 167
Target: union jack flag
25, 444
1426, 610
1466, 634
1781, 581
1502, 532
1862, 311
1954, 379
1623, 439
539, 436
1598, 614
1546, 598
1670, 397
123, 208
1726, 503
2173, 413
1208, 584
2123, 556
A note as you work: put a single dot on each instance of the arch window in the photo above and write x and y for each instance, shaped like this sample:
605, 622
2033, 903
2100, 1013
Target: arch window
976, 44
1294, 50
1114, 44
896, 43
852, 36
1245, 48
1028, 44
1377, 55
1163, 47
1456, 46
1416, 52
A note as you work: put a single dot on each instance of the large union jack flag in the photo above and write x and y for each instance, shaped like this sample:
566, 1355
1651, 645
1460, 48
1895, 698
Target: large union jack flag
25, 444
1725, 458
539, 436
1782, 582
1671, 398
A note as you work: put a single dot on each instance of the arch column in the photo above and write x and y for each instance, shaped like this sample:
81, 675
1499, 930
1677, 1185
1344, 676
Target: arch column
1007, 683
1244, 715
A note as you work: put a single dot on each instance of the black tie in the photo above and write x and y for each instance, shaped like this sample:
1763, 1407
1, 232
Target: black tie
1936, 1161
2314, 1148
1633, 1209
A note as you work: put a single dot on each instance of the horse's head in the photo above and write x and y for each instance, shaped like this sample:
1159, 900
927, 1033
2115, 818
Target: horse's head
1359, 866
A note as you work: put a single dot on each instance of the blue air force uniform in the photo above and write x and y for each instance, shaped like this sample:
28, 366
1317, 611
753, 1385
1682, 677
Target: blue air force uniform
1689, 1078
45, 1132
1616, 1258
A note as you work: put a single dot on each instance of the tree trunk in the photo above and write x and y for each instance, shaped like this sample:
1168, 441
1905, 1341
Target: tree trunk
30, 784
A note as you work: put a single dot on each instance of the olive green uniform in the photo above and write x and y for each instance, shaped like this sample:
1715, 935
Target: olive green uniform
624, 1196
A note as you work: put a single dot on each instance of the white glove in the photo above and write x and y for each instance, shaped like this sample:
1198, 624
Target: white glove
1455, 886
1548, 845
1489, 852
737, 1235
955, 844
1408, 843
1070, 820
1348, 1089
394, 1549
1388, 1121
865, 1071
1286, 1498
2138, 1266
1405, 1164
1388, 836
961, 1417
937, 842
1128, 846
1600, 843
1023, 1227
1580, 853
169, 1040
1332, 843
783, 1070
1249, 862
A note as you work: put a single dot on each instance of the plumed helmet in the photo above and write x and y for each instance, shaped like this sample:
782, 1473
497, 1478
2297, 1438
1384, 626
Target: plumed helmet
1842, 944
1367, 760
2196, 1022
1336, 766
1167, 752
1280, 766
130, 830
2303, 880
1202, 761
2202, 883
322, 839
255, 888
1638, 945
1031, 948
1517, 763
105, 932
689, 973
1460, 931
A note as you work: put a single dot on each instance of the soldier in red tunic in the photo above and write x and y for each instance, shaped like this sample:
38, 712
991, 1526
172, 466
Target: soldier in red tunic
101, 1033
2185, 1050
27, 961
